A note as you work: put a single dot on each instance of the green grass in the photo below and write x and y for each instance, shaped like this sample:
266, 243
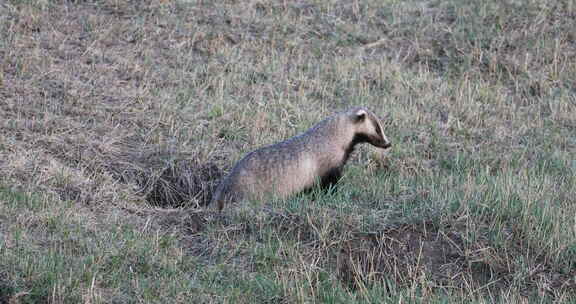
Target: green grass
56, 253
118, 119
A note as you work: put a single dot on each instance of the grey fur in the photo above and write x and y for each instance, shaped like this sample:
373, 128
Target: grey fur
297, 164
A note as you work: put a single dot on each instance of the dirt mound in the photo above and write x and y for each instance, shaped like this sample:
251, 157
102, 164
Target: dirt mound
92, 168
164, 178
404, 253
412, 253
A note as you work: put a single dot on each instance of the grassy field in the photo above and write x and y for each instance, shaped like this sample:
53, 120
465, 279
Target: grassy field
118, 118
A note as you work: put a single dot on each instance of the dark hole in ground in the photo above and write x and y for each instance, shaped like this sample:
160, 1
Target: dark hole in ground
163, 176
183, 182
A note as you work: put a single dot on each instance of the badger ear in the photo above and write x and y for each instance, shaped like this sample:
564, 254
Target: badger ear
360, 115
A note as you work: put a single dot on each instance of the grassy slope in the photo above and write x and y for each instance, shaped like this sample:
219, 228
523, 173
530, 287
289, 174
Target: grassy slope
113, 113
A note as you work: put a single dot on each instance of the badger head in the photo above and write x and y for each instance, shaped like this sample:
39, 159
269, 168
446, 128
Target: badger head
368, 128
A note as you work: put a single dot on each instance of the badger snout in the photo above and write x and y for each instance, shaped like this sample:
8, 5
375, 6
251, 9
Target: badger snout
381, 143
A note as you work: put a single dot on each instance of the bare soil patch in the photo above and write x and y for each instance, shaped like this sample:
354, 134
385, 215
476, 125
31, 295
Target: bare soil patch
447, 259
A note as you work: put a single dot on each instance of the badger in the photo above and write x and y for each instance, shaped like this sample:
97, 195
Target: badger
313, 158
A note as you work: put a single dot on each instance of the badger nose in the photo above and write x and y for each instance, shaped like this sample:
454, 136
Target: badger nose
387, 145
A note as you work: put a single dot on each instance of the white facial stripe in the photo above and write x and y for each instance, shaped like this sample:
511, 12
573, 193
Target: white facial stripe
377, 122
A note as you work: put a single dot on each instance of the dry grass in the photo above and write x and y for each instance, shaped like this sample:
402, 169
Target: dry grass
119, 117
